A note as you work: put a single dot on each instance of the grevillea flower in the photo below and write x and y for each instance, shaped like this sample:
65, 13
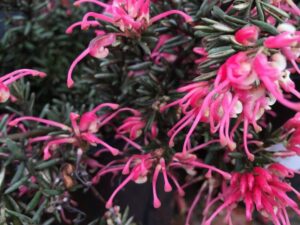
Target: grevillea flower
97, 48
263, 189
137, 169
288, 41
244, 88
130, 16
89, 124
12, 77
247, 35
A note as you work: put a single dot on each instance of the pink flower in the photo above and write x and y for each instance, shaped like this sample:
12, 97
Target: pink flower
97, 48
89, 124
12, 77
244, 88
263, 189
247, 35
137, 168
132, 16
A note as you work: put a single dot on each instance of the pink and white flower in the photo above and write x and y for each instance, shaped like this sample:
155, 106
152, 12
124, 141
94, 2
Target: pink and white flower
263, 189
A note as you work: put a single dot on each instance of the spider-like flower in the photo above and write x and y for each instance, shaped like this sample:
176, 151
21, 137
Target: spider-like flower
244, 88
79, 133
263, 189
12, 77
138, 168
130, 16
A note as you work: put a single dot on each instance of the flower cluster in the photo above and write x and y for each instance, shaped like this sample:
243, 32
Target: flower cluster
263, 189
245, 87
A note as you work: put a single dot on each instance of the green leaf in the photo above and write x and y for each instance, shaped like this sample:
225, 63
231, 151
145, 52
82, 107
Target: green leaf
47, 164
19, 173
16, 185
37, 215
34, 201
274, 10
260, 12
140, 66
265, 27
2, 175
20, 216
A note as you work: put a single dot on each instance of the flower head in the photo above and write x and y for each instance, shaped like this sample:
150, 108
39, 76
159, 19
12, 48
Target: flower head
82, 132
263, 189
244, 88
130, 16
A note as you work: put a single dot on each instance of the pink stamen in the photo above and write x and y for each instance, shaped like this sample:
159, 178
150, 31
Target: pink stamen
99, 3
167, 186
109, 203
194, 203
70, 29
186, 17
70, 81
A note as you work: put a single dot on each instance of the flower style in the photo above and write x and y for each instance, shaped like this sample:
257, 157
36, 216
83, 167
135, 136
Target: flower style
97, 48
263, 189
12, 77
130, 16
89, 124
288, 41
247, 35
